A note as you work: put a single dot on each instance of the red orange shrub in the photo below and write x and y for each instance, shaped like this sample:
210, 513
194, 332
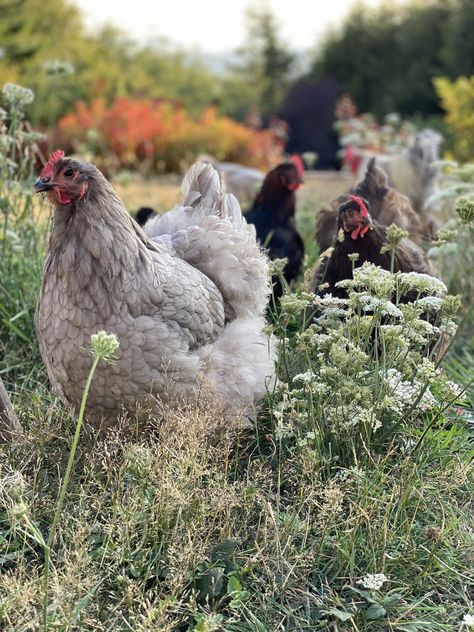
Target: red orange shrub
159, 135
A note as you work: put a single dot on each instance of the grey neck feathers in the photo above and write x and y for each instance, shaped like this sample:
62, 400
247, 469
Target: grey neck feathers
96, 235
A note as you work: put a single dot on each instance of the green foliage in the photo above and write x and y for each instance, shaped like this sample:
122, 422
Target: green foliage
453, 252
266, 63
21, 241
46, 47
364, 367
457, 98
387, 56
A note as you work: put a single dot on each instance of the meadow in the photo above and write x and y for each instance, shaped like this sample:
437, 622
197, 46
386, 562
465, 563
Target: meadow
348, 507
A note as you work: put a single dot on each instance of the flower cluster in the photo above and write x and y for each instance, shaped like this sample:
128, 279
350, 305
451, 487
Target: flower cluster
58, 67
465, 210
468, 620
394, 236
17, 96
362, 368
373, 581
104, 346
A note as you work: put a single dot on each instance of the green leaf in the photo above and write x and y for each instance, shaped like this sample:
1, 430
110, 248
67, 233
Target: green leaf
224, 551
375, 611
233, 585
340, 614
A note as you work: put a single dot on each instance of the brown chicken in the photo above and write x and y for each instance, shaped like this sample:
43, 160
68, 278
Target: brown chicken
387, 206
186, 303
359, 234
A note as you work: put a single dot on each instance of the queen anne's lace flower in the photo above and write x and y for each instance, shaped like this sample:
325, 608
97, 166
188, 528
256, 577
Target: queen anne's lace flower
373, 581
423, 283
383, 306
104, 345
405, 393
17, 95
430, 302
371, 277
306, 377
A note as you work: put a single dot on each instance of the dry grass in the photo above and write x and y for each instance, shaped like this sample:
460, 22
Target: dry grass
162, 193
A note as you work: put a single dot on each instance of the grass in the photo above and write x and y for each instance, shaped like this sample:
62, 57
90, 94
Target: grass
191, 526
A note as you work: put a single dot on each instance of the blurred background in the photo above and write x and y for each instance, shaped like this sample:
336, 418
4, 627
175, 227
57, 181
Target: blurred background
150, 86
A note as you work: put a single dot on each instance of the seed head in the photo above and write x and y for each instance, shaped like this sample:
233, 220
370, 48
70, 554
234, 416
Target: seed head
104, 346
465, 210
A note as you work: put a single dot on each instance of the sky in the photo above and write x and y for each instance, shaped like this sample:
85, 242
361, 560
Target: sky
215, 25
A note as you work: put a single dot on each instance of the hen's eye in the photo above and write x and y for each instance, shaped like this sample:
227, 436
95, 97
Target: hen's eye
69, 173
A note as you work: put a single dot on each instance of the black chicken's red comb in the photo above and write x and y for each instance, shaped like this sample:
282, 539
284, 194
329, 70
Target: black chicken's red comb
360, 203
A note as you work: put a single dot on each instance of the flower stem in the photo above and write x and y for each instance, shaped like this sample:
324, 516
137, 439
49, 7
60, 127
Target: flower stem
62, 493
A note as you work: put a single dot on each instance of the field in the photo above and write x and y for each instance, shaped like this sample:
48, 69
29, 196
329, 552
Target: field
317, 519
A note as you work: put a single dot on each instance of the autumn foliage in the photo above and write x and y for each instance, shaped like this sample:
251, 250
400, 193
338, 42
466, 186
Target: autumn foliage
457, 98
157, 135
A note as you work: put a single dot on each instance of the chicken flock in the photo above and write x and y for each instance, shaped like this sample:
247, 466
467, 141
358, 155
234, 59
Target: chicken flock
187, 293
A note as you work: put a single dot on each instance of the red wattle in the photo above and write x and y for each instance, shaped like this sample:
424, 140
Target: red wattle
64, 198
355, 232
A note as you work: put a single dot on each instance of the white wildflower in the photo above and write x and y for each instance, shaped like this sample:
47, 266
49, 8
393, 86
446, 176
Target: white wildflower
309, 437
306, 377
328, 300
17, 95
104, 345
373, 581
371, 277
373, 304
376, 424
430, 302
423, 283
277, 266
405, 393
58, 67
427, 369
468, 620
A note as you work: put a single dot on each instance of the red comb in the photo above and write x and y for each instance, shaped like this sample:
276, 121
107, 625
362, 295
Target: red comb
298, 163
362, 207
48, 168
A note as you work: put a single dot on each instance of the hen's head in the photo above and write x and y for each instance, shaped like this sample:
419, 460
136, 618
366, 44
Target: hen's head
63, 179
285, 177
354, 217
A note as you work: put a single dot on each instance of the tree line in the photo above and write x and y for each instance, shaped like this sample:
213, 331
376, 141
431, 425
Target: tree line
386, 57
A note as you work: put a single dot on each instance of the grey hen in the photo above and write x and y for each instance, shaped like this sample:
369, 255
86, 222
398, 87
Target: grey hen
187, 305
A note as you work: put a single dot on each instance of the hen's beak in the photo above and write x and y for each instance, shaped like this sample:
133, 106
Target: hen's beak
43, 184
367, 221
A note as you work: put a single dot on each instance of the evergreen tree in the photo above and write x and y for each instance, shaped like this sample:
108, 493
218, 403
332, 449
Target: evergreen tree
266, 61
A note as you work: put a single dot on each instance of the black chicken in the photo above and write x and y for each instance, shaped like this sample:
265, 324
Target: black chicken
359, 234
143, 214
273, 215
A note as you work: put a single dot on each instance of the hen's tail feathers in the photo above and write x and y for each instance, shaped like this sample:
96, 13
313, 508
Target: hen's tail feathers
203, 188
210, 233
